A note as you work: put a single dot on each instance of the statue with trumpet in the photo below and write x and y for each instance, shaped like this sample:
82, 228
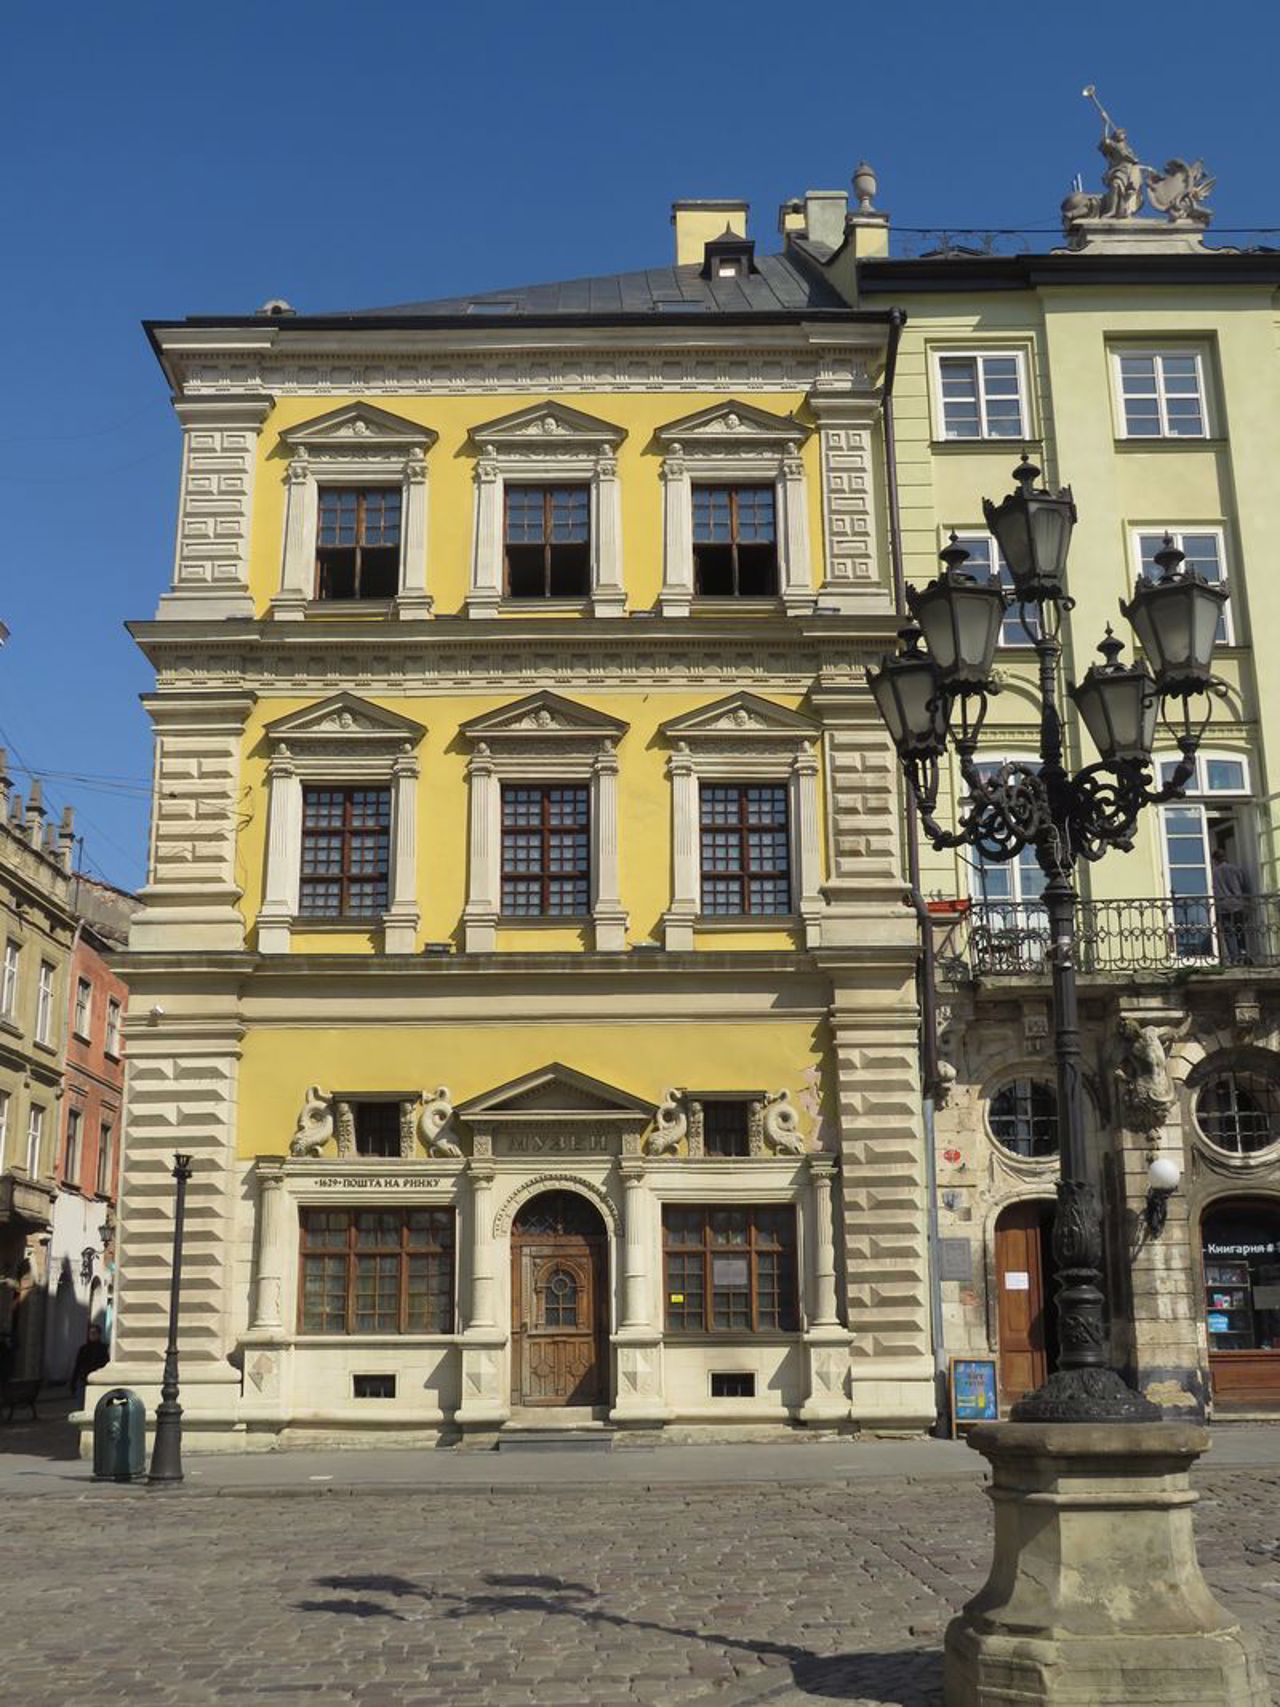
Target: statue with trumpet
1178, 192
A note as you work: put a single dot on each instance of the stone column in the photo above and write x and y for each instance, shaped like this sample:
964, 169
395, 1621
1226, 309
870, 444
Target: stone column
635, 1267
677, 535
608, 593
1095, 1597
637, 1344
685, 901
400, 924
804, 771
298, 567
826, 1340
284, 855
607, 909
797, 587
480, 916
268, 1254
412, 599
484, 1402
486, 569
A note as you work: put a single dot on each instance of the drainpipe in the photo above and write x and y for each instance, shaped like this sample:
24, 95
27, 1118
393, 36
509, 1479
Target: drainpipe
925, 966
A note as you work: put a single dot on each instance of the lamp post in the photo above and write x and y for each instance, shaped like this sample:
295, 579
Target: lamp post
937, 689
166, 1451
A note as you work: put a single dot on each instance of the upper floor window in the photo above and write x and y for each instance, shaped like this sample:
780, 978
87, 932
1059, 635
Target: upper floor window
1204, 551
547, 542
9, 978
1024, 1118
377, 1128
84, 1000
726, 1126
71, 1153
1162, 394
114, 1012
982, 395
35, 1139
367, 1271
106, 1158
346, 852
1021, 623
1239, 1111
358, 542
730, 1270
745, 846
546, 858
4, 1126
735, 541
44, 1003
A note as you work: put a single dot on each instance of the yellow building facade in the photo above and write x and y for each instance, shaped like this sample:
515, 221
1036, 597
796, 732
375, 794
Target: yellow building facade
522, 961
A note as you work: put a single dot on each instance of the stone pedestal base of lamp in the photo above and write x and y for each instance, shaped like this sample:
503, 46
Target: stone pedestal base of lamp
1095, 1597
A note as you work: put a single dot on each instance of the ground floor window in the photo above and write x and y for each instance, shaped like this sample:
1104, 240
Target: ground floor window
368, 1271
1242, 1277
730, 1270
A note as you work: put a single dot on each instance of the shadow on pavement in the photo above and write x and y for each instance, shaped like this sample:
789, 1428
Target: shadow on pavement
912, 1676
52, 1436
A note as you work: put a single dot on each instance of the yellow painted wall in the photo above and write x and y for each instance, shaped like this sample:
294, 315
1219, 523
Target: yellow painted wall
1067, 333
475, 1057
644, 818
450, 468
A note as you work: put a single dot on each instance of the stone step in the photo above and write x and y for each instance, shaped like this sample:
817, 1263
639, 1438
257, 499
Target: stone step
587, 1439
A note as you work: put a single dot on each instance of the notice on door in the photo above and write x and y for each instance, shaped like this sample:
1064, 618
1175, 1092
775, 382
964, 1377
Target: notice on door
1017, 1280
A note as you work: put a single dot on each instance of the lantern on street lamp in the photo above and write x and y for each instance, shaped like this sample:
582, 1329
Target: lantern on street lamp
959, 615
1033, 527
907, 693
1118, 704
1176, 618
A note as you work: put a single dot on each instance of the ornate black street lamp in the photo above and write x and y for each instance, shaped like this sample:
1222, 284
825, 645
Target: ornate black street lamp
166, 1450
937, 688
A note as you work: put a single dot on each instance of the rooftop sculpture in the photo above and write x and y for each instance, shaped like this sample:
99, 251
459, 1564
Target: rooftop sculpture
1178, 191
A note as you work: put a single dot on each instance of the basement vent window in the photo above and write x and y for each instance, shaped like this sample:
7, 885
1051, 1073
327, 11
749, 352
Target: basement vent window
373, 1386
732, 1384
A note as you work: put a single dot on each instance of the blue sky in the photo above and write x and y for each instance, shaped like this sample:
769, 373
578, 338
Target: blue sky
163, 160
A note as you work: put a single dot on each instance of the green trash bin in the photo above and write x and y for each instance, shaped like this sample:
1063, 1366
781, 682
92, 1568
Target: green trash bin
119, 1437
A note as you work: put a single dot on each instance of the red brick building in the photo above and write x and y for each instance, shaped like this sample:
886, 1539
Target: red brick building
82, 1248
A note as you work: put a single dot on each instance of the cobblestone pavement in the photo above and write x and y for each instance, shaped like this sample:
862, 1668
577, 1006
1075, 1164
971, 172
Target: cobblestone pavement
602, 1597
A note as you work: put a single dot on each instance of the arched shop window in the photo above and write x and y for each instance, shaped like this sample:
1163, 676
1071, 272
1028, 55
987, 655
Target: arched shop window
1241, 1243
1024, 1118
1239, 1111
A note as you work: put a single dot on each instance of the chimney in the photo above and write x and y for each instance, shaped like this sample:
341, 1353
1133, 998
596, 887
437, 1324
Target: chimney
824, 216
67, 837
15, 813
35, 812
697, 223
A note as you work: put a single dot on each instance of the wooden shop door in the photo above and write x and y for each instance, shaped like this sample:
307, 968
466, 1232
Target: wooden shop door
559, 1303
1023, 1292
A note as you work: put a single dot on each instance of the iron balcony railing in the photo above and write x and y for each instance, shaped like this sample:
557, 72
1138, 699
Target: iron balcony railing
1157, 934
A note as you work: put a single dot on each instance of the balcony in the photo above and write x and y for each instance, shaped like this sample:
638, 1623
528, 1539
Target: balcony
1157, 935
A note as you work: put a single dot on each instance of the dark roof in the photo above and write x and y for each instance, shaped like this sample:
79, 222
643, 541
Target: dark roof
902, 275
776, 285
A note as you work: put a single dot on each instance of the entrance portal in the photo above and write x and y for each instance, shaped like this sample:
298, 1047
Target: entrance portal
559, 1302
1026, 1320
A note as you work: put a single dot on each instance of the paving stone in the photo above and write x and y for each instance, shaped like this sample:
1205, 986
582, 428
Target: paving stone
781, 1596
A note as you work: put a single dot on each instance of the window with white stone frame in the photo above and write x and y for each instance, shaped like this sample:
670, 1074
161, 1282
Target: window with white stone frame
743, 758
355, 512
327, 764
711, 460
559, 466
543, 752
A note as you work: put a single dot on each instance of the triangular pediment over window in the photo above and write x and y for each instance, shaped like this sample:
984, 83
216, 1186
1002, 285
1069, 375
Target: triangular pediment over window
346, 717
733, 423
549, 423
362, 425
743, 716
556, 1090
546, 714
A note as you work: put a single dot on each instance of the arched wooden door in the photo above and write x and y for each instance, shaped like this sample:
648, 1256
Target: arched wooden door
559, 1302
